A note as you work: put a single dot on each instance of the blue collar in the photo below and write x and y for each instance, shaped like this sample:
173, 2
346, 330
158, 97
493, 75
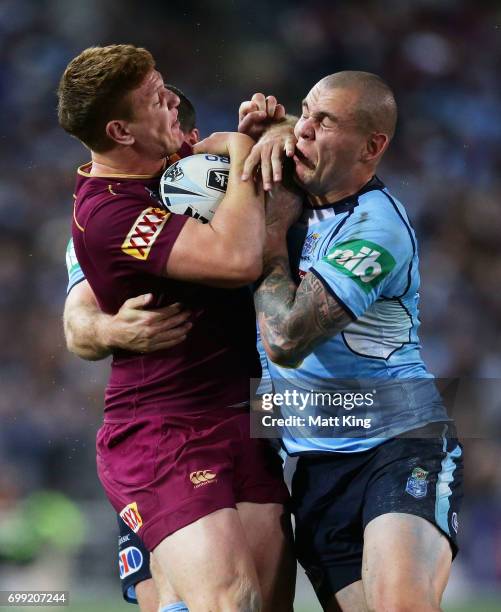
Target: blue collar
348, 203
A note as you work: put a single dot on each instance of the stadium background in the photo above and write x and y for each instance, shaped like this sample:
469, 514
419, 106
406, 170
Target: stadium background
56, 529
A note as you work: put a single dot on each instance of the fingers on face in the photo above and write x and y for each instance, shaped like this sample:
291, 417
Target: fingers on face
290, 145
276, 162
251, 162
266, 167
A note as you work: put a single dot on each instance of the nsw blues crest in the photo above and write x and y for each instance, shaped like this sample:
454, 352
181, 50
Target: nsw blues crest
417, 483
309, 246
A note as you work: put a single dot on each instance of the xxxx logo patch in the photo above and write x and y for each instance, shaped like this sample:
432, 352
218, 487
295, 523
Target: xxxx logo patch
144, 232
131, 517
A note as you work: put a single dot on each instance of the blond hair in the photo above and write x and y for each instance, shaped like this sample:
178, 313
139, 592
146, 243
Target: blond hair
93, 91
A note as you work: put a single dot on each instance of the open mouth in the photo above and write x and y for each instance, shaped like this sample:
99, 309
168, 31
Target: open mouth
300, 157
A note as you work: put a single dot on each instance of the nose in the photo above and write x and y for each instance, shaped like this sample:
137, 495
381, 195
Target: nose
305, 129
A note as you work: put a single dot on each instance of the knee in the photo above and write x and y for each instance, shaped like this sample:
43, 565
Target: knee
237, 594
249, 597
401, 602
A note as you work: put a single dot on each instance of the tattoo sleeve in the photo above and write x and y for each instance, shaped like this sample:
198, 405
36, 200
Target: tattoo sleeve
294, 320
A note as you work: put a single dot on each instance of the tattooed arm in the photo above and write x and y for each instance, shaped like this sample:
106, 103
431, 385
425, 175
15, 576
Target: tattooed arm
294, 320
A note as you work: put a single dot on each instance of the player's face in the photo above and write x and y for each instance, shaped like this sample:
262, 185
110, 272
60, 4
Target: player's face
330, 143
155, 127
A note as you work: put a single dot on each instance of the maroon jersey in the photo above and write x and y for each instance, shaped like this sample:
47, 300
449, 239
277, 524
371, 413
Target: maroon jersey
123, 236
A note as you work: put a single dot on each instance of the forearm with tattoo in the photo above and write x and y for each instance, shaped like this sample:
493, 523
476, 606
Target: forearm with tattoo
294, 320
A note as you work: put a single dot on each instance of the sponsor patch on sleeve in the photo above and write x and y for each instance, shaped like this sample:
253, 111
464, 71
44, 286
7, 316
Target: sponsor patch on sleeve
130, 561
363, 261
71, 258
144, 232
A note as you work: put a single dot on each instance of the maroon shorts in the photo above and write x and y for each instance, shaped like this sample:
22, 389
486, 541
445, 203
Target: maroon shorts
162, 473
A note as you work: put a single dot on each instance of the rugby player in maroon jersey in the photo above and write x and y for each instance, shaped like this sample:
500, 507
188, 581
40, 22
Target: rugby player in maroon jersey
92, 335
174, 453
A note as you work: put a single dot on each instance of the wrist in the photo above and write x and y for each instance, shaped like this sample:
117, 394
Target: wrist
104, 332
239, 144
286, 124
276, 243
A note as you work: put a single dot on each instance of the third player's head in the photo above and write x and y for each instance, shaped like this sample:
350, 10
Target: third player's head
113, 97
187, 116
347, 122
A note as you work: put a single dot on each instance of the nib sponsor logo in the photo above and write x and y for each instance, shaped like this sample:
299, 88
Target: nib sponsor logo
202, 477
131, 517
364, 262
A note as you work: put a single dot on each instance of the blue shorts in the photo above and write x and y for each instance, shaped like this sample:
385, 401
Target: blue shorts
336, 495
133, 561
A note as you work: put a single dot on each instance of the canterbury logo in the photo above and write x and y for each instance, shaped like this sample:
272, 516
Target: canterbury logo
202, 477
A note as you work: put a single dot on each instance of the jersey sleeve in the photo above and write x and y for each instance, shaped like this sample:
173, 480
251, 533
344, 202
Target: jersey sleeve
75, 272
126, 236
368, 259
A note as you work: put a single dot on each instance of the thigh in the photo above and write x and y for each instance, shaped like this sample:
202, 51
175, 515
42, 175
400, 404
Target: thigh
411, 519
209, 563
349, 599
147, 596
406, 560
269, 534
328, 495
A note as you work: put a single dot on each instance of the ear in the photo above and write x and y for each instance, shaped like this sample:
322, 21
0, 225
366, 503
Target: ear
118, 131
375, 146
193, 136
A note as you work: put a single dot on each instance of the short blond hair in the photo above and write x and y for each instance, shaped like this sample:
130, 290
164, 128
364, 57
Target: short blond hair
93, 91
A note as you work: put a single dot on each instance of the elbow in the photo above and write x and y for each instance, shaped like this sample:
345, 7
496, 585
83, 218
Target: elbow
252, 271
70, 339
78, 349
246, 270
284, 357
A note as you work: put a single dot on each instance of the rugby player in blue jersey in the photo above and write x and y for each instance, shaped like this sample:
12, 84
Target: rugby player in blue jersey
376, 510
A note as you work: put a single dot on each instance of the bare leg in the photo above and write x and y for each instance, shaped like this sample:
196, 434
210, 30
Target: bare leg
269, 533
349, 599
147, 595
209, 564
406, 564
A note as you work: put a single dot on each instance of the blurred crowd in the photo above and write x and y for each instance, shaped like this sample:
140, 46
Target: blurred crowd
442, 59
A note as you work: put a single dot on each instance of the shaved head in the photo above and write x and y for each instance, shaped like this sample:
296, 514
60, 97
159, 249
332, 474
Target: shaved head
375, 109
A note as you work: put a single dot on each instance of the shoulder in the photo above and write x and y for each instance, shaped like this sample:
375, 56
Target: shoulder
104, 200
380, 213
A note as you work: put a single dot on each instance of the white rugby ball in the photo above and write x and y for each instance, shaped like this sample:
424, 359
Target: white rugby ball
195, 185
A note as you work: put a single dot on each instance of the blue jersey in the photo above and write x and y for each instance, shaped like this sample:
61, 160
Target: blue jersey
364, 251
